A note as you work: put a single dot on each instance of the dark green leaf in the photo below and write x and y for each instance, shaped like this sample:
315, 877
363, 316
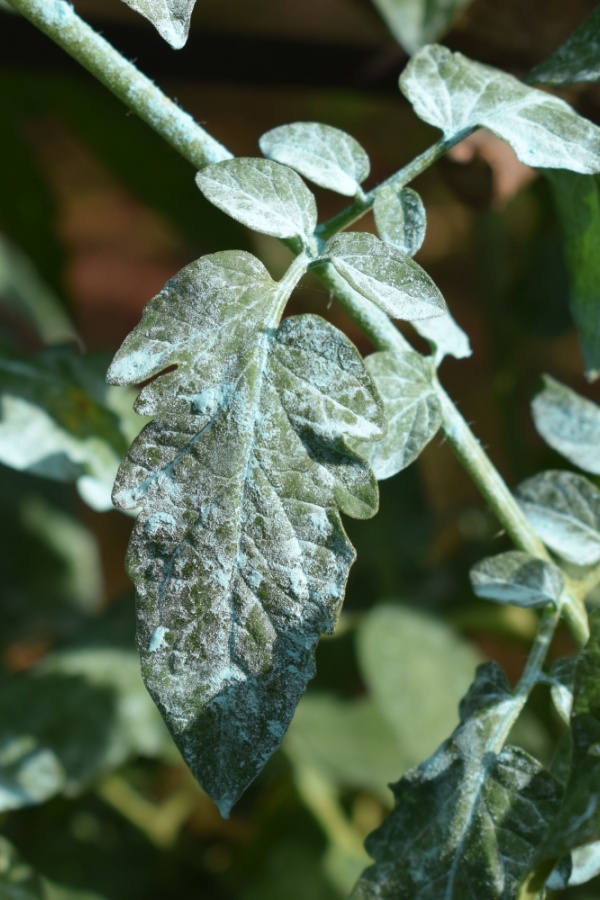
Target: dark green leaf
385, 275
239, 555
577, 200
400, 218
19, 881
467, 823
569, 423
171, 18
261, 194
577, 60
417, 669
325, 155
517, 578
564, 510
456, 94
417, 22
412, 410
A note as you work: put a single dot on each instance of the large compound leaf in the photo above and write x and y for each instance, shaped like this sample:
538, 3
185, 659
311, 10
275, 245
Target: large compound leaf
577, 199
577, 60
456, 94
569, 423
467, 823
325, 155
412, 410
171, 18
239, 555
564, 510
517, 578
385, 275
417, 22
59, 420
261, 194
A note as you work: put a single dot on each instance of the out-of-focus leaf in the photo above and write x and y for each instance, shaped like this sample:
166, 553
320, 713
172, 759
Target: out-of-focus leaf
412, 410
517, 578
569, 423
385, 275
577, 199
400, 218
57, 420
467, 823
261, 194
417, 22
457, 94
417, 670
171, 18
245, 468
349, 742
325, 155
81, 712
447, 338
564, 510
583, 865
577, 60
19, 881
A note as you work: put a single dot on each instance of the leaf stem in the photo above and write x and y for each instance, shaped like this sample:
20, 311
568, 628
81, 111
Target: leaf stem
60, 22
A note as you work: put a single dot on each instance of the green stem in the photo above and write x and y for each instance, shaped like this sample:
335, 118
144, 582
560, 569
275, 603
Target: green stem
60, 22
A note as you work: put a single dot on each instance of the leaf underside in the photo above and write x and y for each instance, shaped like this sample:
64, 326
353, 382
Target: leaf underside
239, 555
569, 423
171, 18
517, 578
417, 22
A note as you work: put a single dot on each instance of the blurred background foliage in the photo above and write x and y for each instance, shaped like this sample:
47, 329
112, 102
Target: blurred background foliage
96, 212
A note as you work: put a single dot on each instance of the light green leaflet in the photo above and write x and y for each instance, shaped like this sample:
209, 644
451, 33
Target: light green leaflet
467, 822
412, 410
261, 194
417, 22
400, 218
517, 578
171, 18
564, 510
239, 555
569, 423
456, 94
385, 275
577, 199
577, 60
58, 419
325, 155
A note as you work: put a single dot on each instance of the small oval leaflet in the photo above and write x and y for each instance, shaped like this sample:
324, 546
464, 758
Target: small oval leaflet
518, 579
171, 18
445, 335
456, 94
261, 194
325, 155
569, 423
400, 218
385, 275
564, 510
417, 22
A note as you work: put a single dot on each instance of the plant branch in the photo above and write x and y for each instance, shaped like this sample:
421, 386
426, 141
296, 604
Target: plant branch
61, 23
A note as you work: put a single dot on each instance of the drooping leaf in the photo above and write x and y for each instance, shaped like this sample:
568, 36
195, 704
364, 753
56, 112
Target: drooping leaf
171, 18
59, 420
325, 155
416, 669
569, 423
517, 578
238, 555
577, 60
468, 821
445, 336
385, 275
400, 218
412, 410
261, 194
564, 510
417, 22
80, 713
577, 199
457, 94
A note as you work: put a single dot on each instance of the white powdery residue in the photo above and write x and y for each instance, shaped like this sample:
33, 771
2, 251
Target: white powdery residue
157, 640
319, 521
